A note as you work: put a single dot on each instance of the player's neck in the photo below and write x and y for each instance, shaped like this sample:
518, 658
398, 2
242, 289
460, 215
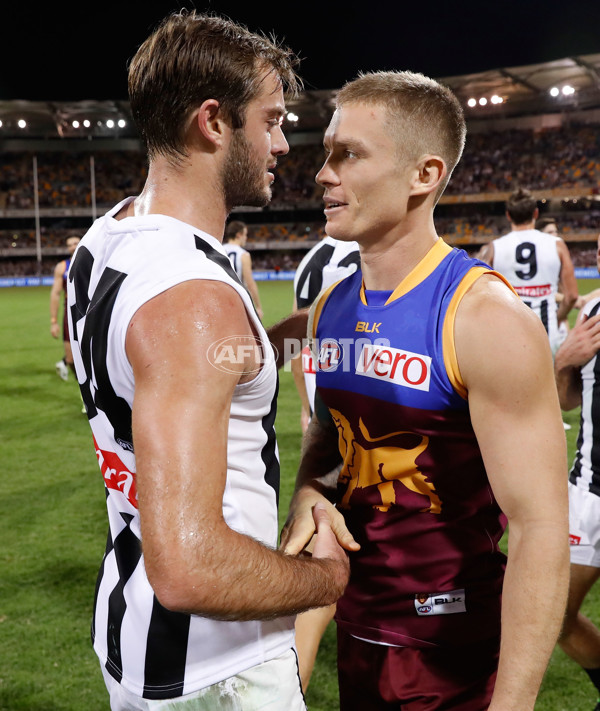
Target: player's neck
523, 227
179, 194
385, 265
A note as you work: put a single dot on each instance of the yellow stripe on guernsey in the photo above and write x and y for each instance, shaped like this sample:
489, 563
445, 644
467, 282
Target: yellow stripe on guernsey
423, 269
317, 307
449, 347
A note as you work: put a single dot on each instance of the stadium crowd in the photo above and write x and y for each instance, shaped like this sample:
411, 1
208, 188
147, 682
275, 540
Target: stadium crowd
494, 162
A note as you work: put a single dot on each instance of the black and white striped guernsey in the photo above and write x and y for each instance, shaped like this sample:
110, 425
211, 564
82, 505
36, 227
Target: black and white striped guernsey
120, 265
585, 472
327, 262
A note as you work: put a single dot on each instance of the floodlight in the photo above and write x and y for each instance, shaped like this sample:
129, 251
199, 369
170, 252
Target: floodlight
483, 101
22, 123
472, 102
554, 91
86, 123
110, 123
75, 124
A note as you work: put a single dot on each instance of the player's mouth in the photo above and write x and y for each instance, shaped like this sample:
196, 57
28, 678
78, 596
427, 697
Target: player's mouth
332, 206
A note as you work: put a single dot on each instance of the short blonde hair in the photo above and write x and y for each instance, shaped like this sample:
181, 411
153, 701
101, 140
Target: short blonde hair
423, 115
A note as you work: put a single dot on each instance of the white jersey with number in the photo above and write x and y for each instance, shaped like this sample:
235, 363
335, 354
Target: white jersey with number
327, 262
235, 254
153, 652
530, 261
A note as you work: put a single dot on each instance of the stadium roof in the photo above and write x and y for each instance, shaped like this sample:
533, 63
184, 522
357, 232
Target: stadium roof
524, 90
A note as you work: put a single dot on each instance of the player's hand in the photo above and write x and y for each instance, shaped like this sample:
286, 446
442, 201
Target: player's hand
300, 526
581, 344
54, 330
326, 544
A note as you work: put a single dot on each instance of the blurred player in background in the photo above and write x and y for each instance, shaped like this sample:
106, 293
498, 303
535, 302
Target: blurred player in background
194, 604
59, 286
578, 379
549, 226
537, 264
327, 262
465, 378
236, 235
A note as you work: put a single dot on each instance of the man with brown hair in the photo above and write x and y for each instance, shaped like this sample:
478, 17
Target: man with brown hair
194, 604
436, 386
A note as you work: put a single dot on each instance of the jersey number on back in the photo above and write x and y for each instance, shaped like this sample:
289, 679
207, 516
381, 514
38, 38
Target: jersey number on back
525, 254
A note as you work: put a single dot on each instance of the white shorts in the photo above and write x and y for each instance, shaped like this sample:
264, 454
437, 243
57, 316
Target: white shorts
272, 686
584, 526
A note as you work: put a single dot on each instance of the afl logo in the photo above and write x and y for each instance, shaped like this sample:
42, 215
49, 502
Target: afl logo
330, 354
424, 609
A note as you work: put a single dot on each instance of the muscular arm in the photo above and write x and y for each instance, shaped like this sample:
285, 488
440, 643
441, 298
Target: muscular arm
248, 280
194, 561
506, 364
568, 282
55, 293
580, 346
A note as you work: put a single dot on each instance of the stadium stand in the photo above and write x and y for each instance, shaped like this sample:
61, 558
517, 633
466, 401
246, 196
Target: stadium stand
524, 141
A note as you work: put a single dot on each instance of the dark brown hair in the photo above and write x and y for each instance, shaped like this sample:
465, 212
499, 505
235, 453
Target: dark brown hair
521, 206
232, 229
192, 57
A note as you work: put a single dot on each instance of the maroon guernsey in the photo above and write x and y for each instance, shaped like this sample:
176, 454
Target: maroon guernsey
413, 487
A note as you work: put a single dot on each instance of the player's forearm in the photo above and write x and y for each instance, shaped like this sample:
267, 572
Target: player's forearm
320, 459
296, 368
565, 307
533, 605
234, 577
567, 376
54, 304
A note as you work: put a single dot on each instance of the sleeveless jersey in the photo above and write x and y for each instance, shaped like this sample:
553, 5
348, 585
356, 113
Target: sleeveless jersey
235, 254
585, 472
529, 260
327, 262
153, 652
413, 488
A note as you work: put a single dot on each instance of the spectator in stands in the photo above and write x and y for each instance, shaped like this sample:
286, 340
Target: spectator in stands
236, 235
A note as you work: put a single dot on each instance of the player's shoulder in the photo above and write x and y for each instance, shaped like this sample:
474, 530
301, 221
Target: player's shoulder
491, 304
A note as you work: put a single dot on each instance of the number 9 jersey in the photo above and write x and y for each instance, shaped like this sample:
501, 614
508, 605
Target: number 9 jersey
530, 262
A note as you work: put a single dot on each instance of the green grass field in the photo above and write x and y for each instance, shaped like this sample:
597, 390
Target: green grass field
53, 525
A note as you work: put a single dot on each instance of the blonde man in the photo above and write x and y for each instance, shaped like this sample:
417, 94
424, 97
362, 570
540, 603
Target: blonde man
436, 385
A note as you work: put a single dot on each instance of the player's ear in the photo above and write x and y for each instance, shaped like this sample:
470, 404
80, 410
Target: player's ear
428, 175
209, 123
